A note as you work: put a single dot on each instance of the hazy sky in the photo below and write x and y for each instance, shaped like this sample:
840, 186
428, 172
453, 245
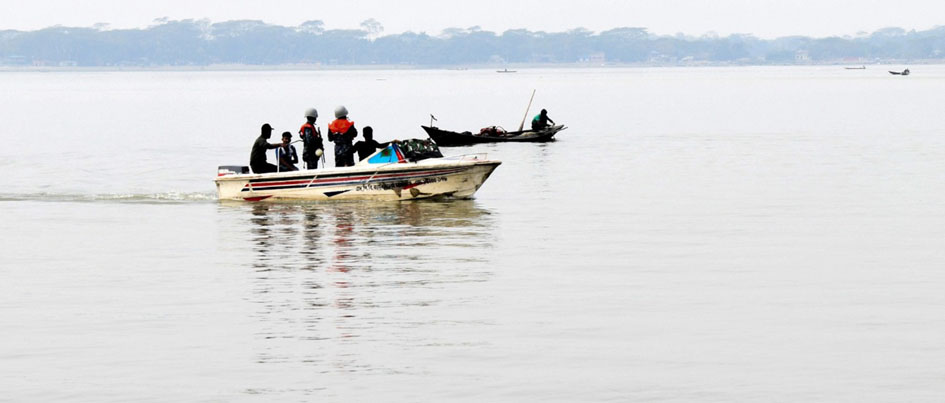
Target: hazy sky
763, 18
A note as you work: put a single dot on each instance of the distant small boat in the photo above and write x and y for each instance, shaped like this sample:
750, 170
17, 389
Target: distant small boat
900, 73
856, 68
505, 71
492, 134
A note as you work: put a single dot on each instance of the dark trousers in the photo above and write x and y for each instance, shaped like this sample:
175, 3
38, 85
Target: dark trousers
344, 155
263, 167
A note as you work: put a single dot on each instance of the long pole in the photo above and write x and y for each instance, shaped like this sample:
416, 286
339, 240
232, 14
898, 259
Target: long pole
522, 126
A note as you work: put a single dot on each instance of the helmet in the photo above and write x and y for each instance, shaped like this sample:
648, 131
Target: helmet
340, 112
311, 113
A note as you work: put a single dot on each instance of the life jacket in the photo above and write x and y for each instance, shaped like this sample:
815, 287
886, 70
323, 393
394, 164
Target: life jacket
340, 126
307, 126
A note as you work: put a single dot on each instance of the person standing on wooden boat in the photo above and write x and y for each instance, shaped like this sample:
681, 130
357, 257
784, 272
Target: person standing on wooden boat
257, 157
312, 145
368, 146
541, 120
342, 132
286, 155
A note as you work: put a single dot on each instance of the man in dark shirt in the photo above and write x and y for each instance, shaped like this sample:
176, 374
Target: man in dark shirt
368, 146
257, 157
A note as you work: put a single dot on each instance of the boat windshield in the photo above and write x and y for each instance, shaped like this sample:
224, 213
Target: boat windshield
412, 150
387, 155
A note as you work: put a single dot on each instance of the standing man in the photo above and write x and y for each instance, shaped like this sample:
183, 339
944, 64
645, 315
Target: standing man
257, 157
342, 132
368, 146
313, 146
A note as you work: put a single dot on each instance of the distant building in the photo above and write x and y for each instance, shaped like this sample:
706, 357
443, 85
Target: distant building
659, 58
801, 56
597, 58
16, 60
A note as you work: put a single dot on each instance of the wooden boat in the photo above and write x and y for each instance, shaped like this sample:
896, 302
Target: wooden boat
900, 73
505, 71
492, 134
856, 68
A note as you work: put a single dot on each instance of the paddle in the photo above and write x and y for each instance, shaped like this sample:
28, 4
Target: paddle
522, 126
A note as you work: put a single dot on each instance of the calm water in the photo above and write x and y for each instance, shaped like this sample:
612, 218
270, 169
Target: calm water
704, 234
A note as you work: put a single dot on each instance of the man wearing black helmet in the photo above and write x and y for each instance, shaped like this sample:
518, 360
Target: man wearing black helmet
257, 157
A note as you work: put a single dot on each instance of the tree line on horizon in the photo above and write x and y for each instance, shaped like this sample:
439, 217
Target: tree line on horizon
251, 42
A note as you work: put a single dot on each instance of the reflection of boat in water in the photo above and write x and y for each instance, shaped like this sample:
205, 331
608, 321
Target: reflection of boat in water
491, 135
856, 68
505, 71
393, 173
900, 73
433, 215
307, 264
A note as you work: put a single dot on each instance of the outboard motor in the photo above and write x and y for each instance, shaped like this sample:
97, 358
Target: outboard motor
224, 170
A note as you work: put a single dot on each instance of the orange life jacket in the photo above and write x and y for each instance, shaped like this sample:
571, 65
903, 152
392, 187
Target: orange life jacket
307, 126
340, 126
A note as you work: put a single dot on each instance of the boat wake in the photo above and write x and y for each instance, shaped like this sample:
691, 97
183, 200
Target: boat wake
166, 197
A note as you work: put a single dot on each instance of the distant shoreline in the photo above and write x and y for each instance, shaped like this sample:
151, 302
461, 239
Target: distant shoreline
378, 67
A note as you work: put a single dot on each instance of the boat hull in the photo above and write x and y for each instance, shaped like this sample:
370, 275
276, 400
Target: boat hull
447, 138
399, 181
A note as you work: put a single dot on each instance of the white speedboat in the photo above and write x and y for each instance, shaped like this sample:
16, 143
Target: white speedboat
392, 173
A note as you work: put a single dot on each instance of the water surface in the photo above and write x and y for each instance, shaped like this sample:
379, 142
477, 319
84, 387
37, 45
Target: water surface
697, 234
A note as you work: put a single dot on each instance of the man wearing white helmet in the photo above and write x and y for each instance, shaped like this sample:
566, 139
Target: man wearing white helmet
342, 132
311, 140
